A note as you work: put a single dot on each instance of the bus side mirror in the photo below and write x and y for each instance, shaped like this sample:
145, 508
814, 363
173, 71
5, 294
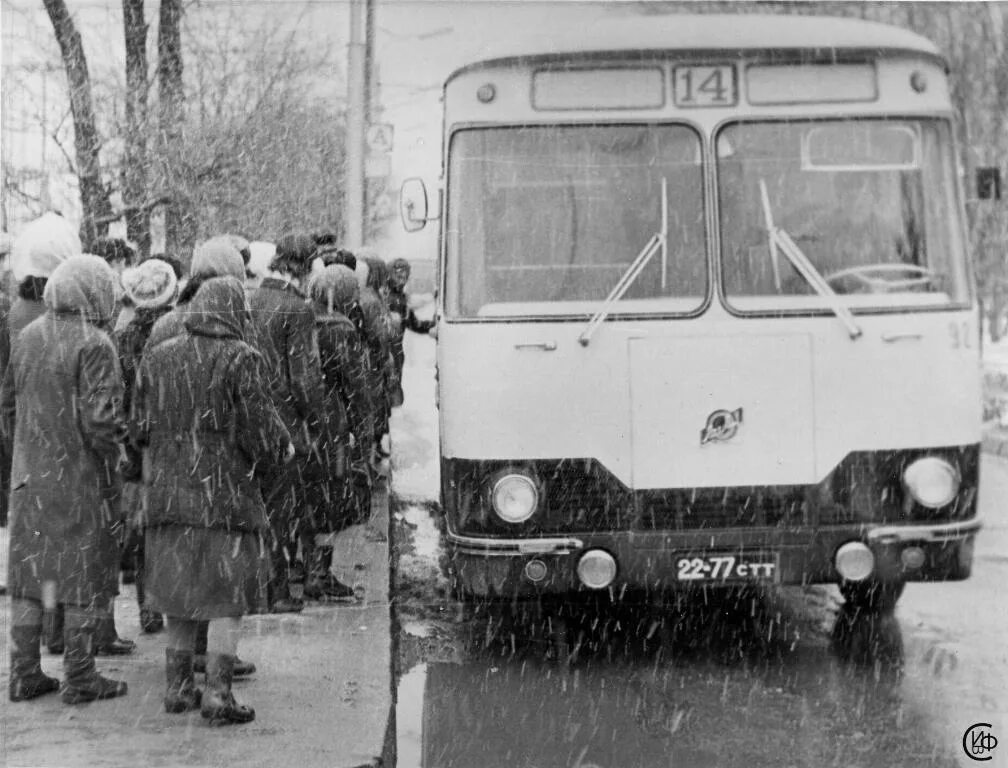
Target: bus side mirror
988, 183
413, 205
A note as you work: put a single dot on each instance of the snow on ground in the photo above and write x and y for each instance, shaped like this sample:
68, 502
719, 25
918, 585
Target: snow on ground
415, 466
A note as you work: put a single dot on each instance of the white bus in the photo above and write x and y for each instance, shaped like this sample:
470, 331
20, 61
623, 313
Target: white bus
706, 311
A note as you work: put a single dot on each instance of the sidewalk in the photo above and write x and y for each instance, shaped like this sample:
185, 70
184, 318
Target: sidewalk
322, 692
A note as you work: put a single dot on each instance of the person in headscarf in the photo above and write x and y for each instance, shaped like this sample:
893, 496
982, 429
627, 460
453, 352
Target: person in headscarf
286, 337
61, 407
207, 425
152, 289
334, 293
216, 257
403, 319
41, 247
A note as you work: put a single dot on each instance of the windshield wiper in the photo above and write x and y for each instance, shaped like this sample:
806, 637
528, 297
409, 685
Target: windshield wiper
779, 239
658, 242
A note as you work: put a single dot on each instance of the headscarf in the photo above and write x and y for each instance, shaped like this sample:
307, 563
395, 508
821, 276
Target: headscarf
85, 285
334, 289
219, 309
43, 245
217, 257
262, 254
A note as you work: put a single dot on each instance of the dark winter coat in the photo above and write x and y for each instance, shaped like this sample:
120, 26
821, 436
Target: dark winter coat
61, 407
205, 421
345, 368
131, 340
285, 335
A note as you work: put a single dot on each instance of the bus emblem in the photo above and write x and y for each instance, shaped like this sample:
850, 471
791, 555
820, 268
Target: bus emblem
721, 425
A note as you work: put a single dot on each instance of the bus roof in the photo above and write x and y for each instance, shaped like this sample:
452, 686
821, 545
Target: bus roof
814, 37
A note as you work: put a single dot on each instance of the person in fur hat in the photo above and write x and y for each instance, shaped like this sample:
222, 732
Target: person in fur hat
152, 289
285, 335
65, 468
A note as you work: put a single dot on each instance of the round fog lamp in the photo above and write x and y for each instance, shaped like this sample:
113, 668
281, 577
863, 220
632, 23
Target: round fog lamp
596, 569
912, 558
854, 561
932, 482
514, 498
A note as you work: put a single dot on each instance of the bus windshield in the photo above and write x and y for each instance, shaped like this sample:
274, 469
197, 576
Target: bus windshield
544, 220
870, 203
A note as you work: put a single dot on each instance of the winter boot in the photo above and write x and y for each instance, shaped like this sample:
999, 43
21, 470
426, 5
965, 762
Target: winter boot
321, 582
81, 681
52, 630
219, 705
107, 641
182, 694
240, 668
27, 680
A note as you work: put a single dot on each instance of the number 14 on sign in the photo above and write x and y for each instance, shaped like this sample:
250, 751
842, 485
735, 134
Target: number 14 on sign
704, 86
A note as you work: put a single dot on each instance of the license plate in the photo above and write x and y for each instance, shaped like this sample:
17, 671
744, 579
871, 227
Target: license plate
738, 567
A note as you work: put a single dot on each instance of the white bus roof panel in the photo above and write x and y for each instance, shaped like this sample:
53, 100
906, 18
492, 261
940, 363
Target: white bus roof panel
734, 33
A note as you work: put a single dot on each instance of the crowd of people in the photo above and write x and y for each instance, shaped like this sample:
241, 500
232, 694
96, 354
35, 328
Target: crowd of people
207, 431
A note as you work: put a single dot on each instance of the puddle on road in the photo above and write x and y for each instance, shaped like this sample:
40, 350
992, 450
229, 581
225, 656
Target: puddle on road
731, 700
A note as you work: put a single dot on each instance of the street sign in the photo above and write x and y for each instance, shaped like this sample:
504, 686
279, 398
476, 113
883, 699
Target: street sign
379, 138
377, 166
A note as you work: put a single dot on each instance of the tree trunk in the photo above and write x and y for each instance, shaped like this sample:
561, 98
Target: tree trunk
93, 193
134, 176
170, 116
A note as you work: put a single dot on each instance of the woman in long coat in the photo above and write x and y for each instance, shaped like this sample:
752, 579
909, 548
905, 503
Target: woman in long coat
207, 427
334, 292
61, 405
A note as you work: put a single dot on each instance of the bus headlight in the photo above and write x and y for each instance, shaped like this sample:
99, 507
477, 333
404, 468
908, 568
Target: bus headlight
932, 482
514, 498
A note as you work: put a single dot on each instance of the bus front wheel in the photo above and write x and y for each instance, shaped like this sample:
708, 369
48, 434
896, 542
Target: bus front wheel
872, 596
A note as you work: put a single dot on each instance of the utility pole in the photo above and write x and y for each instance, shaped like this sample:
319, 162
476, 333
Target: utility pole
356, 106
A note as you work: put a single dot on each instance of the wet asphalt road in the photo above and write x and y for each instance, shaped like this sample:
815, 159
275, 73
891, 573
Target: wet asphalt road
781, 678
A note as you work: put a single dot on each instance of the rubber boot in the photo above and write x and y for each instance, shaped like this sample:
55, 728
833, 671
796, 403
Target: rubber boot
219, 705
81, 681
52, 629
27, 680
321, 582
150, 621
240, 668
181, 695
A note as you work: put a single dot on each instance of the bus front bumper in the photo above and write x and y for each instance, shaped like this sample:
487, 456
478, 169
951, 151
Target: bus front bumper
658, 561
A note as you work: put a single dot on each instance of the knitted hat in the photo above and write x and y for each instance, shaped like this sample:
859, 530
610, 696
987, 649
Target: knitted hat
334, 288
217, 257
42, 246
152, 284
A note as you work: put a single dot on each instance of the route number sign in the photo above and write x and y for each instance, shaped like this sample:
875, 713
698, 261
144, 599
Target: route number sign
704, 86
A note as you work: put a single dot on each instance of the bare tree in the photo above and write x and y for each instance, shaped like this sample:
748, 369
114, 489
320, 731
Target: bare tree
93, 192
171, 114
134, 172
